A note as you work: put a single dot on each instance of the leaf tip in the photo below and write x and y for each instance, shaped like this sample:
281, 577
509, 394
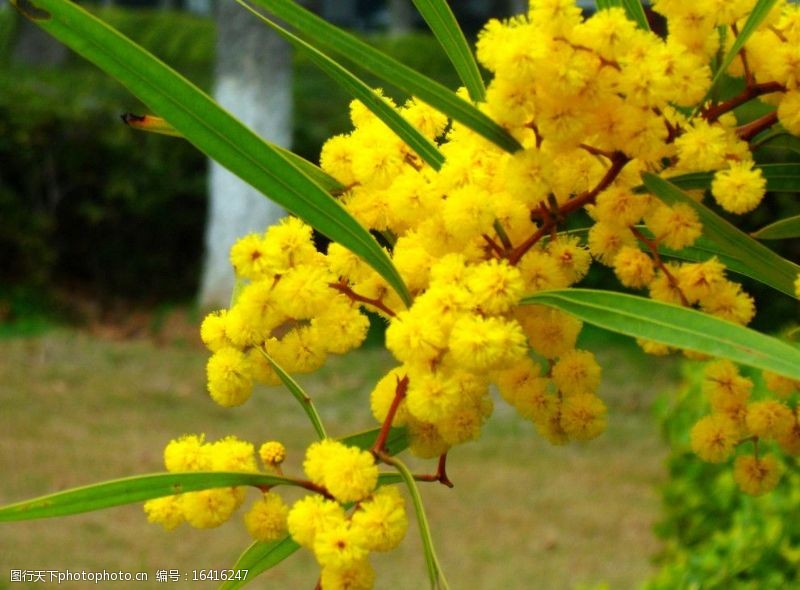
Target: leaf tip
27, 9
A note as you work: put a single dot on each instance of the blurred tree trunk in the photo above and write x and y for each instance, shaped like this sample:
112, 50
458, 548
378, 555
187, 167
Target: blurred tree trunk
253, 80
401, 17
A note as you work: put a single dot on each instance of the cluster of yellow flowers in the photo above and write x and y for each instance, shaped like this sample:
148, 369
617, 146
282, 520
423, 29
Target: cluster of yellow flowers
593, 103
206, 508
288, 311
735, 419
339, 475
342, 543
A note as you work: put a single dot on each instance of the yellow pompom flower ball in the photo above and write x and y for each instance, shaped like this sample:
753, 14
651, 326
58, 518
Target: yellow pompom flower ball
229, 377
789, 112
676, 227
272, 453
633, 267
583, 416
166, 511
310, 515
383, 396
187, 453
769, 419
714, 438
740, 188
351, 474
340, 546
577, 371
358, 575
266, 519
756, 476
212, 331
382, 519
348, 473
209, 508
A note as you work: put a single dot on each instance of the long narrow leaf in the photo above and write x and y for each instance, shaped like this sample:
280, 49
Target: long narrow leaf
445, 28
703, 249
331, 38
606, 4
435, 574
258, 558
396, 442
633, 9
155, 124
779, 177
675, 326
783, 229
213, 130
404, 130
299, 394
131, 489
757, 16
635, 12
760, 262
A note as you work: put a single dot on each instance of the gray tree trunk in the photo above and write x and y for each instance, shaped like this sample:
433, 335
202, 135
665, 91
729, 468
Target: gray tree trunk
401, 17
253, 80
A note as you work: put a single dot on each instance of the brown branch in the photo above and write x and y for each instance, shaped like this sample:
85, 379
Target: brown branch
652, 245
713, 113
399, 395
493, 245
748, 75
596, 151
302, 483
753, 128
377, 303
440, 475
618, 162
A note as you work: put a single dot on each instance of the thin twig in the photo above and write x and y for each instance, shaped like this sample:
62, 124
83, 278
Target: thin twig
652, 245
714, 112
399, 394
377, 303
753, 128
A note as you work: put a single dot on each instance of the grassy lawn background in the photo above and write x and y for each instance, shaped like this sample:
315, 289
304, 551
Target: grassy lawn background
78, 408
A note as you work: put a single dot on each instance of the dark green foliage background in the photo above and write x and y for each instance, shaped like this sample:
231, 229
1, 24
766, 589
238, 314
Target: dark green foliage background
715, 536
89, 204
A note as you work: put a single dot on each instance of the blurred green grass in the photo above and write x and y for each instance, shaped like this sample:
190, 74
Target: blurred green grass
79, 409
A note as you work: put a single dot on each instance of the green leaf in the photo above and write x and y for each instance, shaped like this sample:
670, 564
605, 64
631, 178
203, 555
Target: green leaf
779, 177
154, 124
758, 261
260, 557
331, 38
394, 120
675, 326
299, 394
606, 4
633, 9
214, 131
757, 16
131, 489
396, 442
703, 249
445, 28
435, 573
635, 12
783, 229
